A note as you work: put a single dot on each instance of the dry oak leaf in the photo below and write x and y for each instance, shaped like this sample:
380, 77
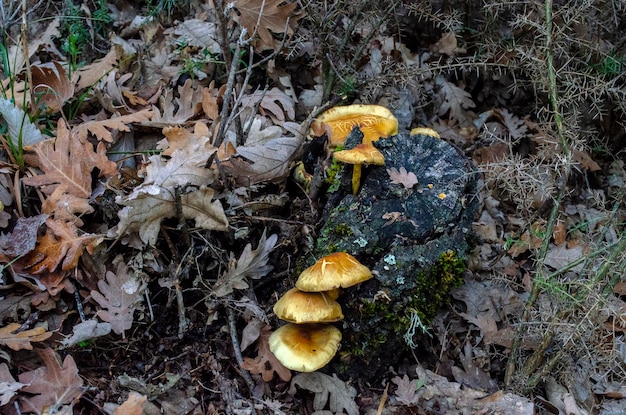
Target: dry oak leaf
61, 245
179, 110
267, 154
266, 363
101, 128
273, 103
339, 395
197, 33
251, 264
52, 384
407, 390
8, 385
455, 100
269, 14
406, 179
119, 296
66, 160
23, 339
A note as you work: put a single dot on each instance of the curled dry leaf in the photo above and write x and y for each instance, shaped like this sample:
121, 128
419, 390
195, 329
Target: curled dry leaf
51, 85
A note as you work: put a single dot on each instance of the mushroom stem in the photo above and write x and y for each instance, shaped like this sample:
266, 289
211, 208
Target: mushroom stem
356, 178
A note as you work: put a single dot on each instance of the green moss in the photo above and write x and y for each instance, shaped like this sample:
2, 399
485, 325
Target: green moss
335, 233
414, 311
333, 178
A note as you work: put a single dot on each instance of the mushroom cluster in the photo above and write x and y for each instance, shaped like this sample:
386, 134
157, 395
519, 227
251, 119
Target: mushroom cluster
309, 340
374, 121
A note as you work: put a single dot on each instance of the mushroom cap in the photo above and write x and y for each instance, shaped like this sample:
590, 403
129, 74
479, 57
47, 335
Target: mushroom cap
425, 131
305, 347
299, 307
375, 121
361, 154
333, 271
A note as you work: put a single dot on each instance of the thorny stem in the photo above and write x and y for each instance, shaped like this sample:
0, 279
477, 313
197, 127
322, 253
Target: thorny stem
560, 130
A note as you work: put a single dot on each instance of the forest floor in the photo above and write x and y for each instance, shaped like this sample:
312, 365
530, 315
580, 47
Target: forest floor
153, 207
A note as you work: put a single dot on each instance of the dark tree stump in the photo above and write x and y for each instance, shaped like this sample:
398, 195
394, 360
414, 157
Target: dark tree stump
413, 239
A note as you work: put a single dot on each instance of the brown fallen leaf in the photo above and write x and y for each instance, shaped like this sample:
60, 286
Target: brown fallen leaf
52, 85
266, 363
68, 161
23, 339
52, 384
61, 245
269, 14
133, 405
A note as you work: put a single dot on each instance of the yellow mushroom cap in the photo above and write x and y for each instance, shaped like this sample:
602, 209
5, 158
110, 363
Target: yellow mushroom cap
305, 347
333, 271
374, 121
361, 154
299, 307
425, 131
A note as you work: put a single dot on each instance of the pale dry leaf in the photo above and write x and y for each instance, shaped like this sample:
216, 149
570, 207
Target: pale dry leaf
251, 333
266, 363
23, 339
516, 126
144, 213
21, 131
406, 179
52, 86
89, 74
267, 155
251, 264
273, 103
119, 304
198, 33
455, 100
406, 393
66, 160
271, 15
179, 110
332, 390
559, 256
86, 330
8, 385
101, 129
66, 207
52, 384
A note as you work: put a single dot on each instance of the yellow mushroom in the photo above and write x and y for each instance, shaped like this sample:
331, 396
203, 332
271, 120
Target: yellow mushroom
359, 155
374, 121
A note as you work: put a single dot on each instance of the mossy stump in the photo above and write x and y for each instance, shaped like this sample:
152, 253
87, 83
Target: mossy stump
414, 237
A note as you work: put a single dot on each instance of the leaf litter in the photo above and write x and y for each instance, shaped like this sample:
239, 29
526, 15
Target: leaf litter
174, 215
